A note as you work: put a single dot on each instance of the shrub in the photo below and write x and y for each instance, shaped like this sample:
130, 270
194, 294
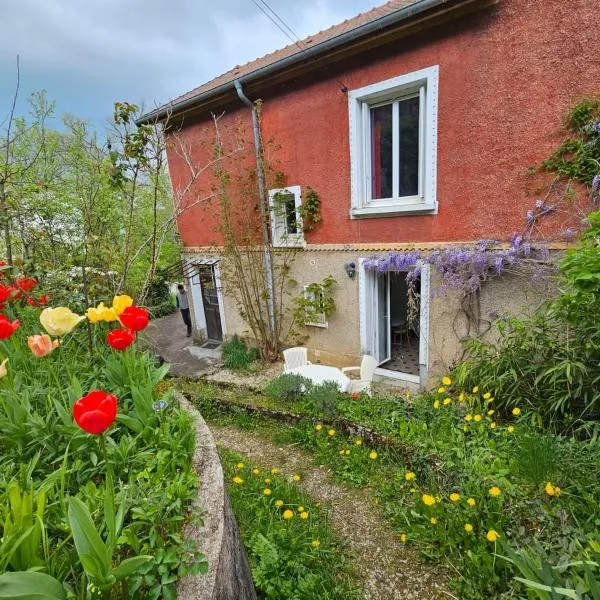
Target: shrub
163, 309
288, 388
325, 398
236, 354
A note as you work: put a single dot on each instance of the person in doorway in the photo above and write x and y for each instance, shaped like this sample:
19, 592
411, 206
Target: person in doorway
184, 307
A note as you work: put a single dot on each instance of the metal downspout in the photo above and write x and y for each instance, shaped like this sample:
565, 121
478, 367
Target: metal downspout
260, 174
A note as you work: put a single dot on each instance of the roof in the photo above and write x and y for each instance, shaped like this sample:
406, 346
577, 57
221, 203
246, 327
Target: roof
359, 27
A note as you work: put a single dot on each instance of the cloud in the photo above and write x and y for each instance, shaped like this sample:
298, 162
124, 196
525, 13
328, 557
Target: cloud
88, 54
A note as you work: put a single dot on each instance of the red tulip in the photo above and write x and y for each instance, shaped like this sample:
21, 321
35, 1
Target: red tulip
43, 299
134, 318
7, 328
96, 412
26, 283
6, 292
31, 301
119, 339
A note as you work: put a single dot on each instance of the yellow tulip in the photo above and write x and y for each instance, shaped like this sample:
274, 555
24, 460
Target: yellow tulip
120, 303
109, 314
94, 315
59, 321
3, 370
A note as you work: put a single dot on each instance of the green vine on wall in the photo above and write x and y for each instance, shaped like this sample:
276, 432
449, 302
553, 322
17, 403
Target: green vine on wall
316, 303
310, 211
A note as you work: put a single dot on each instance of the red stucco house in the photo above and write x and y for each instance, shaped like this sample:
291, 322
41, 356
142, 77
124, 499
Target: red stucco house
416, 123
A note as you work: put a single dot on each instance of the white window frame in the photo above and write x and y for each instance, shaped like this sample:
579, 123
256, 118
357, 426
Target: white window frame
282, 239
423, 83
323, 317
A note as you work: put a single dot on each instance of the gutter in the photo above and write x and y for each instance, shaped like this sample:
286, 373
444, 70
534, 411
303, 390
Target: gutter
401, 14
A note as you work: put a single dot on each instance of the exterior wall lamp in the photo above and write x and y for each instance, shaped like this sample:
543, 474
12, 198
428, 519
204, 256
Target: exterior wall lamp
350, 269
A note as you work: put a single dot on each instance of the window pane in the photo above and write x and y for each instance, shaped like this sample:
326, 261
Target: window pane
289, 206
409, 147
381, 152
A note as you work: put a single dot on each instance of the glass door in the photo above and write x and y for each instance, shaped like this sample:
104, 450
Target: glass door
383, 346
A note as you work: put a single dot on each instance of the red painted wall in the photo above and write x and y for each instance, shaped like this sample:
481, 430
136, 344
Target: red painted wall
507, 77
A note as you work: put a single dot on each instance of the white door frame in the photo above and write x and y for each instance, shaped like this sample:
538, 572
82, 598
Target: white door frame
366, 325
198, 313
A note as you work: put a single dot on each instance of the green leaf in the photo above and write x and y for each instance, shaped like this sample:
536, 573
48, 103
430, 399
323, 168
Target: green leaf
546, 588
87, 540
130, 565
131, 423
30, 585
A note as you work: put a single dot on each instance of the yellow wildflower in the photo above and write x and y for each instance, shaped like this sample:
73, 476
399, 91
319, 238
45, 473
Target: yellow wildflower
240, 465
491, 412
455, 497
304, 515
461, 397
468, 417
267, 492
477, 418
557, 490
267, 481
288, 514
238, 480
301, 509
428, 500
494, 491
476, 389
441, 390
331, 432
341, 453
255, 471
410, 476
319, 427
413, 490
274, 471
403, 538
278, 503
510, 428
296, 477
358, 442
516, 411
446, 380
489, 400
346, 452
447, 401
433, 521
373, 455
487, 396
552, 490
471, 502
436, 405
492, 425
315, 543
492, 535
468, 528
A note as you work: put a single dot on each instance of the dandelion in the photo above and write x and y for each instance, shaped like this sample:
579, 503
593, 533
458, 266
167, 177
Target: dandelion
516, 411
510, 429
491, 412
278, 503
346, 452
552, 490
331, 432
468, 417
238, 480
471, 502
315, 543
413, 490
487, 396
476, 389
489, 400
319, 427
492, 535
441, 390
373, 455
274, 471
446, 380
304, 515
255, 471
358, 442
468, 528
455, 497
494, 491
341, 453
436, 405
240, 465
447, 401
288, 514
410, 476
477, 418
301, 509
428, 500
433, 521
403, 538
296, 477
492, 425
267, 492
461, 397
267, 481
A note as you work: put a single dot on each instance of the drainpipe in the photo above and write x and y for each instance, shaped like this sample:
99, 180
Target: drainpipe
260, 173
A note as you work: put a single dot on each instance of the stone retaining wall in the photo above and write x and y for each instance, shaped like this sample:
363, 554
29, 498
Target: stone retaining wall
229, 576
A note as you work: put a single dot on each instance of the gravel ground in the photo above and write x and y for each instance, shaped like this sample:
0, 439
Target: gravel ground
389, 569
254, 381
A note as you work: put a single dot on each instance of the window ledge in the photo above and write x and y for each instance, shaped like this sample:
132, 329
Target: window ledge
289, 244
394, 210
321, 325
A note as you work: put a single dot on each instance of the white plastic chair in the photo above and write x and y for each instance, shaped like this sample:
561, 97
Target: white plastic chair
295, 357
367, 368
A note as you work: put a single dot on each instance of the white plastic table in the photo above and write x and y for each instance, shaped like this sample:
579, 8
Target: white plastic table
318, 374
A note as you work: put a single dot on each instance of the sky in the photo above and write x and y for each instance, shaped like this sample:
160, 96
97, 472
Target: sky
87, 54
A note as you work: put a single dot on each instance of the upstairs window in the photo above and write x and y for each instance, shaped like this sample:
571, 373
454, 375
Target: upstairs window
393, 129
286, 221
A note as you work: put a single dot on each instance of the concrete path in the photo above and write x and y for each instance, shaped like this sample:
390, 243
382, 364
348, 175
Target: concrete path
166, 337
